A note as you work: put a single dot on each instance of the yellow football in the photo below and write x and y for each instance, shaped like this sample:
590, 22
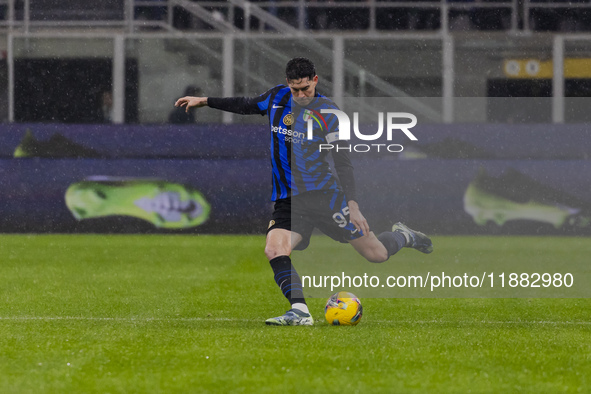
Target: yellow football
343, 309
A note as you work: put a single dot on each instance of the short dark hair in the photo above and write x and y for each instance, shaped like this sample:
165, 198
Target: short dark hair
300, 67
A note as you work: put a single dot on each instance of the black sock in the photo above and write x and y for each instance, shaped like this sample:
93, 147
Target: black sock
288, 279
393, 241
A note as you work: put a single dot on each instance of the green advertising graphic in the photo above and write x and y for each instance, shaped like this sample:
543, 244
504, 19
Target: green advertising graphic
57, 146
164, 204
515, 196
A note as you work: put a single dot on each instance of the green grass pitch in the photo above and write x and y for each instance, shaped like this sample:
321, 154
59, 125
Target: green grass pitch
165, 314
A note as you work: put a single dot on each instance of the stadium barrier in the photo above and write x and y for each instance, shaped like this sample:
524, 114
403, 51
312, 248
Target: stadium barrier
456, 179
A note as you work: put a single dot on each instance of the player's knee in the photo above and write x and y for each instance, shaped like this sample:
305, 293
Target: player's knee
377, 257
272, 251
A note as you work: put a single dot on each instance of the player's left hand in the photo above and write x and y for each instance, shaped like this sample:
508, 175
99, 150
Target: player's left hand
191, 102
357, 218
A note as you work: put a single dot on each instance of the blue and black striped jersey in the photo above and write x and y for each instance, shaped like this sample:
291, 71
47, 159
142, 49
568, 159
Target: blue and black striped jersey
297, 163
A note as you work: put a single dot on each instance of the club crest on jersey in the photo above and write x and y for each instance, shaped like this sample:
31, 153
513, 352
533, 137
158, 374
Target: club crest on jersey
288, 119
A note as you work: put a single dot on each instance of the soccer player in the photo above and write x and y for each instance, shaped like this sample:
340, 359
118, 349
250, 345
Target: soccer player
306, 193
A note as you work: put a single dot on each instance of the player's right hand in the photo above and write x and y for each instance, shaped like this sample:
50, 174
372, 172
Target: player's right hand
191, 102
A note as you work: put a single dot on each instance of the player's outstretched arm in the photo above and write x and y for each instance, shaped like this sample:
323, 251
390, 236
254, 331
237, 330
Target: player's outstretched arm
191, 102
238, 105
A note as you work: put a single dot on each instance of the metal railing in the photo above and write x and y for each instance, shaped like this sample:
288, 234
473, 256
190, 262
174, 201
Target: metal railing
323, 51
221, 17
303, 15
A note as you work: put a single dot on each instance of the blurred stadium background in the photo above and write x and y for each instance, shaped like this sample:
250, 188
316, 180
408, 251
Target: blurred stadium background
118, 54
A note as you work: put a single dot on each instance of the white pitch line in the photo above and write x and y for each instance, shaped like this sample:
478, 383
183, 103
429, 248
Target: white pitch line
541, 322
226, 319
121, 319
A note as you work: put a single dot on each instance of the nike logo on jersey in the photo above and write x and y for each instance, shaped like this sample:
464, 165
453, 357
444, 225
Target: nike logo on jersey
277, 106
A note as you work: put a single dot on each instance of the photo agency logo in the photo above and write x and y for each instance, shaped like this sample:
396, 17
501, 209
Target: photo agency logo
344, 130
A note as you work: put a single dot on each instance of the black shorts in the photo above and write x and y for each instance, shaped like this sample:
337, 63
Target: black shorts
326, 210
